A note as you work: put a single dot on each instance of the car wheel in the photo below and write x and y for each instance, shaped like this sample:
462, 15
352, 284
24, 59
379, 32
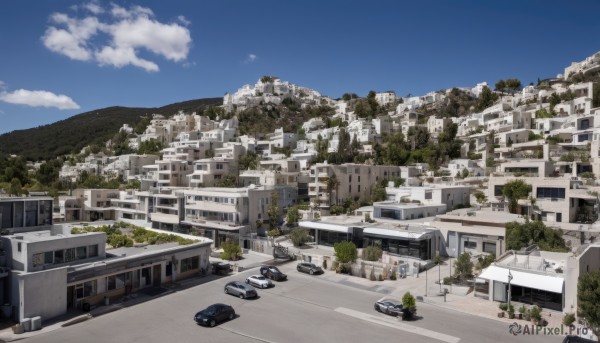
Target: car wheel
212, 323
226, 291
231, 315
311, 272
377, 308
298, 269
248, 281
242, 296
386, 311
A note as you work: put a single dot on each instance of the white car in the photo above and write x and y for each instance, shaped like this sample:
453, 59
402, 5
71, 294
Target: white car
259, 281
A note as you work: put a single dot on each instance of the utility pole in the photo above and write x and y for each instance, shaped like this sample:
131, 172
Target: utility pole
509, 279
426, 281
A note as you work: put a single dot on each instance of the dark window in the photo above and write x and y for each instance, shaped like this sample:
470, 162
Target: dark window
49, 257
190, 263
550, 192
490, 248
470, 245
498, 190
92, 250
58, 256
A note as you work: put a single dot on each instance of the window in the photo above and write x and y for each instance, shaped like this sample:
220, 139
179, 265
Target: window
92, 250
428, 195
490, 248
49, 257
19, 246
58, 256
550, 192
470, 245
116, 281
86, 289
69, 255
190, 263
38, 259
219, 165
498, 190
81, 253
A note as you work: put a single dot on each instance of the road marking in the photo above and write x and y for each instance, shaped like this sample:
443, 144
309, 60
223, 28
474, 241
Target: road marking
398, 325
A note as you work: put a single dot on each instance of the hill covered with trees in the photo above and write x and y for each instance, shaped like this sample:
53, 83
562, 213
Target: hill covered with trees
94, 127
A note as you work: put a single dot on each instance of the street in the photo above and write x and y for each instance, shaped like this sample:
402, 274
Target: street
303, 309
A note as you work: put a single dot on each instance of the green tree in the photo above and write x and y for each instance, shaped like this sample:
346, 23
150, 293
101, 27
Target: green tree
372, 253
409, 301
273, 211
513, 85
332, 185
500, 86
463, 267
134, 184
15, 188
534, 232
231, 251
465, 173
379, 193
150, 147
480, 197
293, 215
345, 251
299, 236
515, 190
486, 99
588, 300
227, 181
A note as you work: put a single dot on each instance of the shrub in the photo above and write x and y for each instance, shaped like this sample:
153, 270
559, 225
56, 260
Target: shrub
522, 309
503, 306
345, 251
527, 315
536, 313
447, 280
298, 236
372, 253
510, 309
231, 251
380, 277
409, 301
393, 275
569, 319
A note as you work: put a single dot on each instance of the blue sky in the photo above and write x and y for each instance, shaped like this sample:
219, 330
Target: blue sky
61, 58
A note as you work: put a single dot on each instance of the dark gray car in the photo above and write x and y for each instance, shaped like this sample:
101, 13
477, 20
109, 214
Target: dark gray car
309, 268
240, 289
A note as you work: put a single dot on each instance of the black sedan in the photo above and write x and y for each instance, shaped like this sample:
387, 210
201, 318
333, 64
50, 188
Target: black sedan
388, 307
310, 268
214, 314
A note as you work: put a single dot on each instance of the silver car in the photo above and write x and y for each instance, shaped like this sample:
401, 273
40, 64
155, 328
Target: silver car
388, 307
259, 281
240, 289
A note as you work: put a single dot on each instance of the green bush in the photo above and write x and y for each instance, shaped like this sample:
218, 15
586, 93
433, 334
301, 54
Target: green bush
380, 277
372, 253
409, 301
503, 306
448, 280
536, 313
393, 275
522, 309
569, 319
231, 251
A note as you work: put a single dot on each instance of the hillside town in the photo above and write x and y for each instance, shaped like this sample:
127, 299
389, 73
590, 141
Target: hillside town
455, 173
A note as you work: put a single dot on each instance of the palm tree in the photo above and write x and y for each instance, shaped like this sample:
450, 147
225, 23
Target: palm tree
332, 184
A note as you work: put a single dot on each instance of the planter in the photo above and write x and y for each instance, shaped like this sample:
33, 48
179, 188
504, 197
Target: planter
520, 316
511, 316
500, 314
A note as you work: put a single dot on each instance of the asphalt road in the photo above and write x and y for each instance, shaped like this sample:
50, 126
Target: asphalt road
302, 309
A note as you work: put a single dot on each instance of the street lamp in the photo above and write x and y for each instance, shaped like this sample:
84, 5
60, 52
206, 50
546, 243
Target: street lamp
509, 278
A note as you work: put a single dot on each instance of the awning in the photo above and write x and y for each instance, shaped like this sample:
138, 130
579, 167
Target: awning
520, 278
325, 226
393, 233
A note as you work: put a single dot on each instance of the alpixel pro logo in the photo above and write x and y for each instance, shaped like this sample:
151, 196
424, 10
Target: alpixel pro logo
518, 329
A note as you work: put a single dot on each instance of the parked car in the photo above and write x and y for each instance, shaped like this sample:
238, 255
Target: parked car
214, 314
240, 289
272, 273
259, 281
220, 267
388, 307
310, 268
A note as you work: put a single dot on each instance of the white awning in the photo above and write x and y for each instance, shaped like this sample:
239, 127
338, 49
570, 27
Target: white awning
520, 278
393, 233
325, 226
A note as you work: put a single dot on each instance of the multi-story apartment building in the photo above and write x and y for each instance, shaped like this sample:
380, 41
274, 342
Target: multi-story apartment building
349, 180
208, 170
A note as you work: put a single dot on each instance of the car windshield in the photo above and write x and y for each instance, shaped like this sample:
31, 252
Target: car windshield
260, 277
210, 311
274, 269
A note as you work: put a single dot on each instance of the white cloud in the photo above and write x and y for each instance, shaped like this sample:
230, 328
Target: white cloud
129, 31
93, 7
184, 20
38, 99
251, 58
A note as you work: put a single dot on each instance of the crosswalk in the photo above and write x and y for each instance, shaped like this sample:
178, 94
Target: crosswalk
399, 325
